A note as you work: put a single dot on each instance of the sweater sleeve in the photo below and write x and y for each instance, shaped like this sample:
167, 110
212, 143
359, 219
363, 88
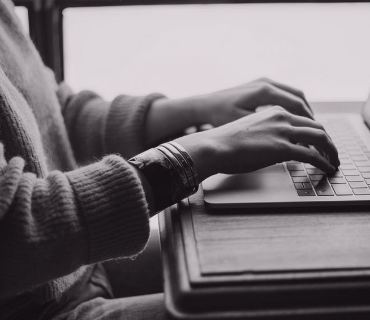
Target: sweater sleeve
50, 227
97, 127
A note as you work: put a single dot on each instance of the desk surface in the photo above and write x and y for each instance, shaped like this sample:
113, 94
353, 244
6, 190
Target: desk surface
269, 263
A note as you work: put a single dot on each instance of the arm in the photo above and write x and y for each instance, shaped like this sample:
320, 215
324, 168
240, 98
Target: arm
50, 227
167, 117
97, 127
128, 125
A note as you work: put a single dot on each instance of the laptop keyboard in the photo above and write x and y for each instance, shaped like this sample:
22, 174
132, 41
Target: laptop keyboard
353, 176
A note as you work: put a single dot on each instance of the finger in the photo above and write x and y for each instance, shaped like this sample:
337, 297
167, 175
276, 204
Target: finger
311, 156
299, 121
318, 139
296, 92
276, 96
306, 122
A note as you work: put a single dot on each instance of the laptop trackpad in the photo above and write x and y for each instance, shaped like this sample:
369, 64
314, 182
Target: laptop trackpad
271, 184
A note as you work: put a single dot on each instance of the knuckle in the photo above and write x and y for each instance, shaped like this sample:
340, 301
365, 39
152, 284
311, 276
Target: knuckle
283, 148
313, 154
285, 131
321, 127
265, 89
323, 136
280, 114
299, 103
264, 79
300, 93
277, 109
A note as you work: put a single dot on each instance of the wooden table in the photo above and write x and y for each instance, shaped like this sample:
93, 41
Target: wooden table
308, 263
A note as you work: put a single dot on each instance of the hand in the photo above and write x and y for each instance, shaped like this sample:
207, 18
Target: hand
228, 105
260, 140
220, 108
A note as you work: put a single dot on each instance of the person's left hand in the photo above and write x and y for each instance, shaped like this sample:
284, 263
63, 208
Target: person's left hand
231, 104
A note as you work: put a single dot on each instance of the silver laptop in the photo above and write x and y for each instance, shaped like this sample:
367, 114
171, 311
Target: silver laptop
296, 184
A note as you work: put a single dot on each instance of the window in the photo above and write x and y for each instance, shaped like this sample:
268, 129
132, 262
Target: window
190, 49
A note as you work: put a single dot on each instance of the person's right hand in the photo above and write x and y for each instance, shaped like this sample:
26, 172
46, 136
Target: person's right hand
260, 140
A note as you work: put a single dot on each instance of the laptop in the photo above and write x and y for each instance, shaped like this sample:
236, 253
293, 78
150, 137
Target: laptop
296, 184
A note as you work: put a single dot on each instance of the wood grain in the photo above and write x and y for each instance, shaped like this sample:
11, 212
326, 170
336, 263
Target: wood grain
235, 241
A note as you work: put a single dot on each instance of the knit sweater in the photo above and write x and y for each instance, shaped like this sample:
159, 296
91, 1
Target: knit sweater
57, 218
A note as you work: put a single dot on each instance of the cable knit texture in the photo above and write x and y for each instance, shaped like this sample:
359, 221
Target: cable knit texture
56, 218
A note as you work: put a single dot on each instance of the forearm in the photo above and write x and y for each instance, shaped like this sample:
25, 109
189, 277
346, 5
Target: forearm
167, 118
97, 127
50, 227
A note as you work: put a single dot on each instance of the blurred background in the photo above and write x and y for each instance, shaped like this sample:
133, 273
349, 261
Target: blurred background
181, 50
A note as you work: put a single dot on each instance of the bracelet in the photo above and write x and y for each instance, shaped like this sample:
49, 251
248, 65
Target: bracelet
176, 164
189, 161
184, 167
170, 172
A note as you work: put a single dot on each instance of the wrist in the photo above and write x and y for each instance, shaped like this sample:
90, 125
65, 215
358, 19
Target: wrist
194, 109
203, 152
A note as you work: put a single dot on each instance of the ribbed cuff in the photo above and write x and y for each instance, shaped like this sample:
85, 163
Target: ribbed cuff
72, 106
112, 201
125, 124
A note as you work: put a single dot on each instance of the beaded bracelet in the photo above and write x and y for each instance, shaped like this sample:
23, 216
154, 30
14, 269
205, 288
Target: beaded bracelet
170, 172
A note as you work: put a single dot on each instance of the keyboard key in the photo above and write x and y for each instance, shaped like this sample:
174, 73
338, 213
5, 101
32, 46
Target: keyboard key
315, 183
315, 171
292, 161
358, 158
299, 186
347, 167
300, 179
308, 186
354, 179
356, 185
355, 152
350, 172
343, 157
336, 174
316, 177
342, 189
361, 191
362, 163
367, 181
366, 174
294, 166
347, 141
304, 193
298, 173
309, 166
352, 147
323, 188
364, 169
337, 180
346, 161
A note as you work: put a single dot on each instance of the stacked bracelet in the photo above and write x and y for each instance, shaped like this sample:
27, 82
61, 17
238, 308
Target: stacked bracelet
170, 172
